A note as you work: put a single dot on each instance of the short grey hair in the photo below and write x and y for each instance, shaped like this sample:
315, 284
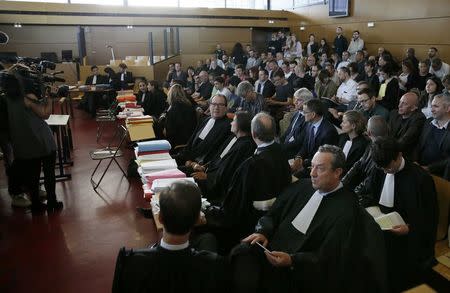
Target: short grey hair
263, 127
377, 126
336, 152
445, 98
304, 94
243, 88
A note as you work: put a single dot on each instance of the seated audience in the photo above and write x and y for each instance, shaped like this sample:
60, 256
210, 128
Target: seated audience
289, 74
312, 46
203, 89
323, 48
367, 99
240, 72
433, 87
411, 56
252, 60
254, 186
309, 232
207, 137
434, 143
403, 187
264, 85
221, 89
156, 102
389, 92
439, 68
235, 100
357, 177
354, 72
190, 81
408, 78
272, 68
214, 178
325, 87
302, 80
282, 98
332, 73
125, 78
172, 265
446, 84
216, 70
318, 132
345, 60
346, 93
226, 65
180, 119
371, 76
292, 139
177, 74
360, 63
424, 75
352, 141
251, 101
406, 124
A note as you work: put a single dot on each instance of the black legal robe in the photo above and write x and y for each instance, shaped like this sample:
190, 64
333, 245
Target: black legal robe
415, 200
203, 150
341, 241
220, 171
359, 145
160, 270
261, 177
180, 122
156, 103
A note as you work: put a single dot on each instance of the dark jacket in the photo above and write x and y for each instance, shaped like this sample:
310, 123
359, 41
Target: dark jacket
391, 95
359, 145
406, 131
101, 79
268, 90
128, 78
292, 139
180, 123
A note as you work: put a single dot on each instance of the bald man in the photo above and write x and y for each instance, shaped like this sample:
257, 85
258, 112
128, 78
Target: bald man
254, 186
406, 124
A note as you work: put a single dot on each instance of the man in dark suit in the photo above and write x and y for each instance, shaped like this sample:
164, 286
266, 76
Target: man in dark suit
178, 74
309, 234
434, 142
254, 186
207, 137
125, 78
292, 139
318, 132
264, 85
172, 265
406, 124
91, 99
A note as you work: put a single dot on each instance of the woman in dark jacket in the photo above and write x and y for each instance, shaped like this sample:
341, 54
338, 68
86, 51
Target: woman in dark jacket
324, 48
352, 141
157, 102
180, 118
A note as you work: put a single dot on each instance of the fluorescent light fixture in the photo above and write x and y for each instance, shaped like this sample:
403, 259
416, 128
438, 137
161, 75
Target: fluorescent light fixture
302, 28
17, 25
271, 21
370, 24
129, 27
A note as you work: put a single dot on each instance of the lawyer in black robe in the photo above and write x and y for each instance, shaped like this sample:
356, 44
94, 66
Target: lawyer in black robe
410, 255
161, 270
203, 149
220, 170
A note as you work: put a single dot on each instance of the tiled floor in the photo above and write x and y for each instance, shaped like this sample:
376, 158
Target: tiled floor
74, 250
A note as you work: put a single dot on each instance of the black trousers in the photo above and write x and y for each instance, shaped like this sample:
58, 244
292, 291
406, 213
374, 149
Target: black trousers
26, 173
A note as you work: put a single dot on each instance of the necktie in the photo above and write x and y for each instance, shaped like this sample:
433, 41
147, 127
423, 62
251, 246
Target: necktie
292, 128
311, 141
259, 88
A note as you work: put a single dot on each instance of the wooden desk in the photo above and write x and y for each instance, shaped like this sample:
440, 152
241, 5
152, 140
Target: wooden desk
442, 248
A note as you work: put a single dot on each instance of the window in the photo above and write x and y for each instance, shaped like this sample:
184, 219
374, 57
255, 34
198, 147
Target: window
282, 4
165, 3
303, 3
98, 2
203, 3
247, 4
53, 1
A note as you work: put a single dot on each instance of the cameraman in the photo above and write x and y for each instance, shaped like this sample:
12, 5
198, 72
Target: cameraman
32, 139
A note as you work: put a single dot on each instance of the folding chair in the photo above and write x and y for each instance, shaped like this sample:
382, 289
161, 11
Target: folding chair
109, 153
103, 117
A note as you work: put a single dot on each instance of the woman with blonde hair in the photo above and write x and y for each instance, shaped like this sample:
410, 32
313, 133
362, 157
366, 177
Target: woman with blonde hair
180, 118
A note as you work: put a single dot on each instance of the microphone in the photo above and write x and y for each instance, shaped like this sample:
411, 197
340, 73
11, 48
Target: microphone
59, 79
57, 72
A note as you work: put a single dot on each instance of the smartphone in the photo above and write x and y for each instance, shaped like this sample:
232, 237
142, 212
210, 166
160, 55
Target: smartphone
265, 249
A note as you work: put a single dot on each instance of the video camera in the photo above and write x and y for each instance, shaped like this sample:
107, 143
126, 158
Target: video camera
29, 75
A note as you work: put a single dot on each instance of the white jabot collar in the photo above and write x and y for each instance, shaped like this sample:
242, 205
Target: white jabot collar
174, 246
388, 191
209, 125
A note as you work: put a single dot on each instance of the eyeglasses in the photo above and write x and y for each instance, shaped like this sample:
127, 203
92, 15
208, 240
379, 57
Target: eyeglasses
363, 101
217, 105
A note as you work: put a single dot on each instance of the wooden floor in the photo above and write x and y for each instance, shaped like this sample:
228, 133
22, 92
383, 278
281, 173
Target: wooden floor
74, 250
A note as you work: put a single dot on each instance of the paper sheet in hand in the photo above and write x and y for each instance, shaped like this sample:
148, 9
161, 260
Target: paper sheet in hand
159, 185
386, 221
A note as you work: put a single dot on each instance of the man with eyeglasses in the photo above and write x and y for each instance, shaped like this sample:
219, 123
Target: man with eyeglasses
369, 106
251, 102
207, 137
